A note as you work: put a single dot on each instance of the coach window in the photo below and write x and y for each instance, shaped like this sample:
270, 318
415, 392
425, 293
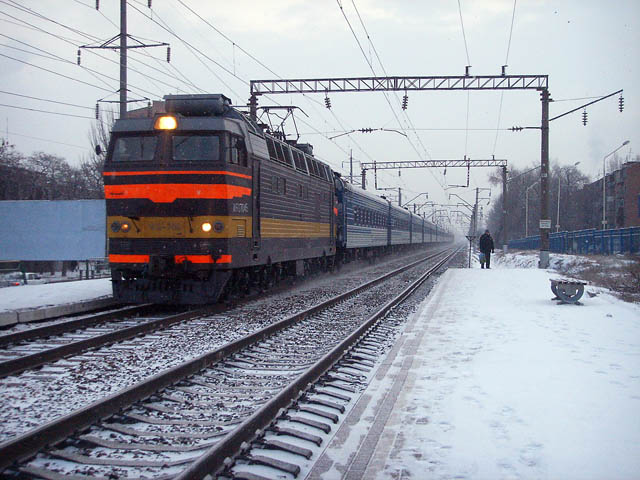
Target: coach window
196, 148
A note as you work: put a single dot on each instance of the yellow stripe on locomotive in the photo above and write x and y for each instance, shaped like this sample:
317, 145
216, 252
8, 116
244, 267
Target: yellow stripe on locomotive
206, 226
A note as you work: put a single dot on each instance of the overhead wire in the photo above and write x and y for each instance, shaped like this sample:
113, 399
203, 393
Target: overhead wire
48, 140
394, 93
75, 42
45, 111
372, 68
506, 62
46, 100
312, 101
235, 75
466, 49
410, 126
151, 79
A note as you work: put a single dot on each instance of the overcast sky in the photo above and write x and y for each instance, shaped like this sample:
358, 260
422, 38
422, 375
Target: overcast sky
589, 48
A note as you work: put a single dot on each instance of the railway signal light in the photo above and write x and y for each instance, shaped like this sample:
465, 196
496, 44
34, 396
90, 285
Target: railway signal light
621, 103
584, 117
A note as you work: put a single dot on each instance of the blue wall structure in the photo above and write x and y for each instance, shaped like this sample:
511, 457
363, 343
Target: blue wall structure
592, 241
52, 230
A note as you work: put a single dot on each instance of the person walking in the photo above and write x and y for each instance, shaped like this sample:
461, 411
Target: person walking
486, 247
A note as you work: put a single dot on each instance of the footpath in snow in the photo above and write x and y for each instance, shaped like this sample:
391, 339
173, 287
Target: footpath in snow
492, 379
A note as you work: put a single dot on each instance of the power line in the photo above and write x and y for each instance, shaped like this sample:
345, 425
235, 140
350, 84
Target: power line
311, 100
375, 50
45, 111
506, 62
513, 16
47, 140
371, 67
464, 36
191, 48
153, 80
74, 43
47, 100
55, 73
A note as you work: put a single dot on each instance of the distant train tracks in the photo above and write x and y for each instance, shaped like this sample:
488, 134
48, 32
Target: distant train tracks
207, 405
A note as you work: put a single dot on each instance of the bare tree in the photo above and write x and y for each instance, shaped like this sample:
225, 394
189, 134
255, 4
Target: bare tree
572, 203
93, 165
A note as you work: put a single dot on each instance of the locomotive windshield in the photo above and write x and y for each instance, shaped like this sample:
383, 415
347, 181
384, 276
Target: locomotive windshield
196, 147
132, 149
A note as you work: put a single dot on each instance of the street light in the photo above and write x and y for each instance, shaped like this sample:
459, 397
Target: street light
526, 208
604, 176
558, 215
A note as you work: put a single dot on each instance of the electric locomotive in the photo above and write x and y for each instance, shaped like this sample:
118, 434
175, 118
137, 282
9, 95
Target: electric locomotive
200, 201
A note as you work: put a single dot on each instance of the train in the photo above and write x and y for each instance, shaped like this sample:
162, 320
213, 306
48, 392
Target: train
202, 202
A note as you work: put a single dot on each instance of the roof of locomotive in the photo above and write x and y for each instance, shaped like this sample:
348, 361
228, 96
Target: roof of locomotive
201, 112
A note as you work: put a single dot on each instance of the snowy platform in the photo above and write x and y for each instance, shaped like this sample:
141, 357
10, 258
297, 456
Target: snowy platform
28, 303
492, 379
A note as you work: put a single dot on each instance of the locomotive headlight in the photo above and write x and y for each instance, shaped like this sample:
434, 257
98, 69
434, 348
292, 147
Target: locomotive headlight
206, 227
125, 227
166, 123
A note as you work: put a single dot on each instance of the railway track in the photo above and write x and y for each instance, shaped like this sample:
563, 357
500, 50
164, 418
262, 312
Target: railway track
35, 347
159, 426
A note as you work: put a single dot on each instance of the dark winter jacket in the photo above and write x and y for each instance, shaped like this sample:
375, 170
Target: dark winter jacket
486, 243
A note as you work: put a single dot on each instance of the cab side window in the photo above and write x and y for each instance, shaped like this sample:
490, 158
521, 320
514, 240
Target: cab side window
238, 151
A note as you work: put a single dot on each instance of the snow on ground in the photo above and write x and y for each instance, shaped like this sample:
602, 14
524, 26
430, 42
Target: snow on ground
505, 383
50, 294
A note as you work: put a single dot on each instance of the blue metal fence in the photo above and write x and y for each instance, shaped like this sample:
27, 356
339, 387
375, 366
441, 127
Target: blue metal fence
591, 241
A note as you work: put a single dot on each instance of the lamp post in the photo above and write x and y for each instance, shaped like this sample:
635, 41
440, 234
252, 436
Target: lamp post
558, 214
526, 208
604, 184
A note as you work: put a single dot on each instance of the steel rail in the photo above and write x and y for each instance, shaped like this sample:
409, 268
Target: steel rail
213, 462
20, 364
30, 443
69, 326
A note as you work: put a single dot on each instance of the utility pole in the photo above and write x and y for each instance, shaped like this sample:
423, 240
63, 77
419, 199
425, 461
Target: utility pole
505, 236
123, 59
475, 213
545, 221
123, 47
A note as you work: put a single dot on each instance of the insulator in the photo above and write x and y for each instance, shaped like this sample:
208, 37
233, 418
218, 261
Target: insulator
405, 101
327, 102
621, 103
97, 4
149, 3
79, 56
168, 54
584, 117
97, 110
